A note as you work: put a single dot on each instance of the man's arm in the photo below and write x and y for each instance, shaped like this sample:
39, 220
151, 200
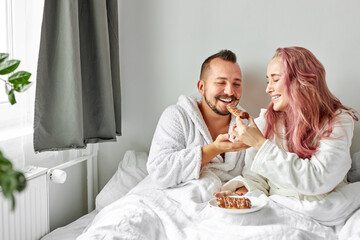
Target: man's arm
175, 153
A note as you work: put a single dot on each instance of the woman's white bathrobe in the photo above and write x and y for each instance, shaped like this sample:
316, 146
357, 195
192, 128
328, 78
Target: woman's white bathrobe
175, 153
273, 170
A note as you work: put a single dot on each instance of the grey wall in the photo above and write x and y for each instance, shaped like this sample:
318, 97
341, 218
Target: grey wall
164, 42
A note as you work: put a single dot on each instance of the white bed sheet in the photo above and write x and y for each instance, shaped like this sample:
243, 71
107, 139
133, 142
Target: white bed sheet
189, 217
183, 213
131, 170
72, 230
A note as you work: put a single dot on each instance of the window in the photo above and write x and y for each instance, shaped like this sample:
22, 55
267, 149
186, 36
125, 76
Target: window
21, 23
5, 27
20, 27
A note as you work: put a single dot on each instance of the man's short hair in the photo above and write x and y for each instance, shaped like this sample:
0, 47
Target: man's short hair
225, 54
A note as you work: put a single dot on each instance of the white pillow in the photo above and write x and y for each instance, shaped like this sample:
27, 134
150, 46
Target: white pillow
131, 170
354, 172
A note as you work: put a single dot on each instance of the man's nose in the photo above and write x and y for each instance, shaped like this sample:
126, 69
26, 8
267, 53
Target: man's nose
229, 90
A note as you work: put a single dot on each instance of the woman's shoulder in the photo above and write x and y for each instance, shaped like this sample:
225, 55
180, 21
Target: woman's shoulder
343, 125
344, 122
343, 117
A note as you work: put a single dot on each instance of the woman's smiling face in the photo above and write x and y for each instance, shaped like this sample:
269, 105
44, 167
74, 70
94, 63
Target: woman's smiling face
276, 85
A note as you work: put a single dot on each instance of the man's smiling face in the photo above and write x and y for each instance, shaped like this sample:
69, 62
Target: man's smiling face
222, 85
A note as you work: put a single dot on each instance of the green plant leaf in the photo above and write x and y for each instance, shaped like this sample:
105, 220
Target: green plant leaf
3, 56
5, 164
7, 89
10, 180
11, 97
8, 66
22, 87
21, 181
12, 202
8, 184
20, 77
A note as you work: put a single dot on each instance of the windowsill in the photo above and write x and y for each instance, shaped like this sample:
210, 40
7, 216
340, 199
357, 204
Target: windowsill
33, 171
13, 133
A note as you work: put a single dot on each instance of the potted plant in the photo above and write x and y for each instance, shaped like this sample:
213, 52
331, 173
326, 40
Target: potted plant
12, 180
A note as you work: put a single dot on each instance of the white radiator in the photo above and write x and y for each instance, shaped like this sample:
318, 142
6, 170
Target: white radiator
30, 219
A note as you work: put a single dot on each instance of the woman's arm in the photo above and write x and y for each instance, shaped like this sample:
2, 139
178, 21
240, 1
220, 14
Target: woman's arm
249, 179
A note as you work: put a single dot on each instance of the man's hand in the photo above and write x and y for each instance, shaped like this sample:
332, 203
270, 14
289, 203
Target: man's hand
220, 145
223, 143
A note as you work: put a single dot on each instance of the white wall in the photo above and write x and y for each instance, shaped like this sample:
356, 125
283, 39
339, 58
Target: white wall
164, 42
68, 201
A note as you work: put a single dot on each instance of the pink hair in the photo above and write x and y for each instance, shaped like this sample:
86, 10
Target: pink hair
311, 108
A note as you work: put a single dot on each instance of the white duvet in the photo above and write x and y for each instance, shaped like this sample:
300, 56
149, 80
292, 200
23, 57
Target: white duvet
184, 213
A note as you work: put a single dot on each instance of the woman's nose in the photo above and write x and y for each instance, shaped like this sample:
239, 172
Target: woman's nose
269, 88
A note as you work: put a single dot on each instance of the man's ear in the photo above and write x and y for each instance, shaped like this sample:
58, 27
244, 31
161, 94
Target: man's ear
201, 86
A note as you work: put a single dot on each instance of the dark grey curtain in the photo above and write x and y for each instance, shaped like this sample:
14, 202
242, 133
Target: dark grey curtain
78, 79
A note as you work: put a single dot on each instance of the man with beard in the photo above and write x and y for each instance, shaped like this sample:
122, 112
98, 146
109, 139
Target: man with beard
193, 135
190, 158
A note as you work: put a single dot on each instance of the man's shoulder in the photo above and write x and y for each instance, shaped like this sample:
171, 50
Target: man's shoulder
184, 111
185, 105
174, 110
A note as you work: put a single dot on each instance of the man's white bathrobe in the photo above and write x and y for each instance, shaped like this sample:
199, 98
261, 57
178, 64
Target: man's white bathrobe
175, 154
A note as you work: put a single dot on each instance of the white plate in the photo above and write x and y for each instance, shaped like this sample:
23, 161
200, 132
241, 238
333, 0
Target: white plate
256, 205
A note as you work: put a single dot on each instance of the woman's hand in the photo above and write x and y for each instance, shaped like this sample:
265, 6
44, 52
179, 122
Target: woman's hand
240, 191
223, 194
248, 134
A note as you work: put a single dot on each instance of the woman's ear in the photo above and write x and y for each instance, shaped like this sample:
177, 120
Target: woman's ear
201, 86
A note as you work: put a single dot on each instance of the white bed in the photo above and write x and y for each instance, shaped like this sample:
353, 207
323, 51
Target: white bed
184, 212
131, 170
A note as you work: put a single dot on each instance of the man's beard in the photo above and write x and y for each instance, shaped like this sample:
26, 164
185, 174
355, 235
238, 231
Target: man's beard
213, 107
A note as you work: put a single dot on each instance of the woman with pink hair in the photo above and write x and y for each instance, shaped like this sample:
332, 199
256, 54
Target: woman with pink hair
299, 145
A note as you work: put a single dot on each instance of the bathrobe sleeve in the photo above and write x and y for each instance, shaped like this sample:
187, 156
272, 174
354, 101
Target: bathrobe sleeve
175, 153
251, 180
318, 175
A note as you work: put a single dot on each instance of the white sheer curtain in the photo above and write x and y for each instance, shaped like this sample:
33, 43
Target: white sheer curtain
22, 25
21, 21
